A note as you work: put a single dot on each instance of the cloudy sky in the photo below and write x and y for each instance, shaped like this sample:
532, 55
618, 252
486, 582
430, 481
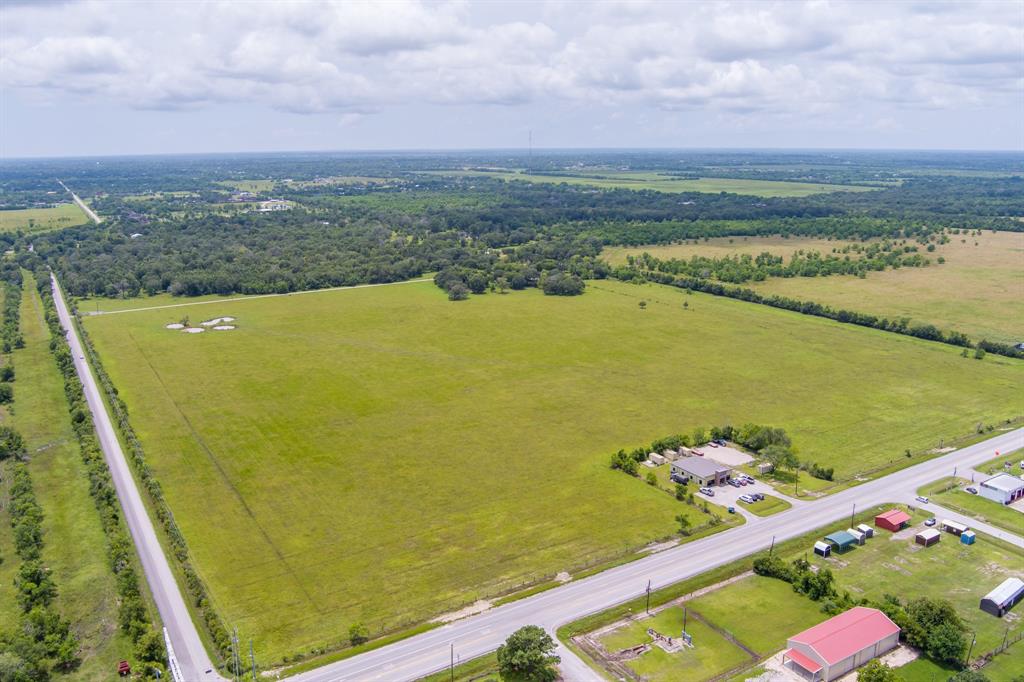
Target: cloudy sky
97, 77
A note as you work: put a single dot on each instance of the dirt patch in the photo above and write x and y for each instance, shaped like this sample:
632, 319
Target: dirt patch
216, 321
563, 577
193, 330
898, 569
174, 325
656, 547
726, 455
471, 610
224, 327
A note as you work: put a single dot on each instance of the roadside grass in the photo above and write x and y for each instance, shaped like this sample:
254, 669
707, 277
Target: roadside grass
998, 464
923, 669
950, 493
75, 549
42, 219
979, 290
481, 668
1007, 666
383, 455
648, 180
766, 507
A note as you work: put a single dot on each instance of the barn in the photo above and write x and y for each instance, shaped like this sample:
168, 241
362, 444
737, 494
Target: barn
1000, 600
833, 648
893, 520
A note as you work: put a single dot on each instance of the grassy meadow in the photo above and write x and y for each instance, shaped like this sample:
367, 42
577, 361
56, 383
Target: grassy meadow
979, 290
383, 455
652, 180
42, 219
75, 545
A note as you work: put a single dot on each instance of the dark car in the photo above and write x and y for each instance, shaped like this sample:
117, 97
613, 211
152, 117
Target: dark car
678, 478
734, 483
972, 490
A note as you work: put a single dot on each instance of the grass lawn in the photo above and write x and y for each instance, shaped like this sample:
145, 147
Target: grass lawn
383, 455
926, 670
42, 219
979, 290
75, 548
959, 500
655, 181
766, 507
249, 185
712, 654
1006, 666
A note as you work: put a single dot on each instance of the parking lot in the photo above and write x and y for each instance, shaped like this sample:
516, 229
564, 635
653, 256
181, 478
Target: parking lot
727, 496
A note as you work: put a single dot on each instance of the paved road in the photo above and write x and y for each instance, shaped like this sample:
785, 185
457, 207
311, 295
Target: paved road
477, 635
82, 205
188, 648
411, 658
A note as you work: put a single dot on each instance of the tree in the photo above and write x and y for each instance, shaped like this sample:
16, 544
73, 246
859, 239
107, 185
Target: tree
780, 457
6, 393
11, 444
680, 491
358, 633
643, 305
501, 284
527, 655
975, 676
699, 436
652, 478
979, 353
946, 642
458, 291
876, 671
684, 524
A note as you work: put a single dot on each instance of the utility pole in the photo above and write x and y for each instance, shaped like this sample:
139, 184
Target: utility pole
974, 638
451, 665
252, 660
771, 548
648, 609
853, 514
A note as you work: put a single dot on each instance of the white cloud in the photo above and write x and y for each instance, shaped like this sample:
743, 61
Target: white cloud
351, 57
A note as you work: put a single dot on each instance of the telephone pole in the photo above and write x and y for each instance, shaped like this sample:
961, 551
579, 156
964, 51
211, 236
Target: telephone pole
252, 659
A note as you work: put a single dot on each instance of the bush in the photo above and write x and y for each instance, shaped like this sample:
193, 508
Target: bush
358, 634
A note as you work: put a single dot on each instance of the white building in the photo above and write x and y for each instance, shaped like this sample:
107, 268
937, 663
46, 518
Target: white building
1002, 488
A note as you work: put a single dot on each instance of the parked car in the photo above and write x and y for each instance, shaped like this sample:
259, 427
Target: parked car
972, 490
748, 478
744, 481
930, 522
922, 499
707, 491
697, 452
678, 478
757, 496
734, 483
747, 498
713, 444
721, 441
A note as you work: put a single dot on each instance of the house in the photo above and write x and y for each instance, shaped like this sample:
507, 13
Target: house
841, 539
822, 548
703, 472
1000, 600
928, 537
1002, 488
894, 520
953, 527
843, 643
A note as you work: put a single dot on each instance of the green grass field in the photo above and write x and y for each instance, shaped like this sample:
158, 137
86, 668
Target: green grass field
979, 290
663, 183
766, 507
382, 455
75, 549
42, 219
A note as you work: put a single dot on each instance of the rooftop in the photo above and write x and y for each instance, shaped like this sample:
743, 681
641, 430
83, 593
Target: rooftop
1005, 591
1004, 482
841, 538
844, 635
896, 516
700, 467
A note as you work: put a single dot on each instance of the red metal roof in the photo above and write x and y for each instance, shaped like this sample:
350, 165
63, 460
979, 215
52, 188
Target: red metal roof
808, 664
840, 637
895, 516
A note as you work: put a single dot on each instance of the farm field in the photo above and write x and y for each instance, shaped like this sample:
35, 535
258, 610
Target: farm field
656, 181
75, 549
478, 457
979, 290
42, 219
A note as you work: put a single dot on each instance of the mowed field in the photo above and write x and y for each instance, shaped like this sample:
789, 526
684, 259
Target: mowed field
979, 290
383, 455
664, 183
42, 219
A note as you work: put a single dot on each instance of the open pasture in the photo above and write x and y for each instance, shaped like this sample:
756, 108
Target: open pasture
979, 290
665, 183
42, 219
383, 455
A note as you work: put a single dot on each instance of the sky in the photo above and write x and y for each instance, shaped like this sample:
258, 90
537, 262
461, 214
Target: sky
101, 78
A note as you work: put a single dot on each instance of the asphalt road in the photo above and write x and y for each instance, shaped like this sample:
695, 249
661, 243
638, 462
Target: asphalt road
82, 205
411, 658
188, 648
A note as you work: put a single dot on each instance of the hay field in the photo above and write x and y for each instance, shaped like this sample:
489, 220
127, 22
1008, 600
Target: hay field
42, 219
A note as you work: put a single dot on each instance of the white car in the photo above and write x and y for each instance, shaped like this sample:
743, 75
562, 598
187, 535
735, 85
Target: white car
707, 491
922, 499
747, 498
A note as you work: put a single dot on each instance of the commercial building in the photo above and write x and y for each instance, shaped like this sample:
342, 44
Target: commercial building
894, 520
1000, 600
841, 644
703, 472
1002, 488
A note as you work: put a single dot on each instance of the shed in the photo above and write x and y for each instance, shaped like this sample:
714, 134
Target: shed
927, 537
669, 454
857, 534
765, 467
967, 537
868, 531
822, 548
1000, 600
843, 643
952, 527
841, 539
656, 458
894, 520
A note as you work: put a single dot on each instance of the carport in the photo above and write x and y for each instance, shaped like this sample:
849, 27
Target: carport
841, 540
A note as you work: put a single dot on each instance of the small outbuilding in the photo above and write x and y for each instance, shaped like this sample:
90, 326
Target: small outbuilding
841, 540
1000, 600
656, 458
953, 527
894, 520
967, 537
1003, 488
868, 531
928, 537
822, 549
841, 644
857, 534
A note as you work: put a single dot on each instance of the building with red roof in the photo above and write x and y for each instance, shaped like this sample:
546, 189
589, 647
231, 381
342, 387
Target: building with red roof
894, 520
831, 649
